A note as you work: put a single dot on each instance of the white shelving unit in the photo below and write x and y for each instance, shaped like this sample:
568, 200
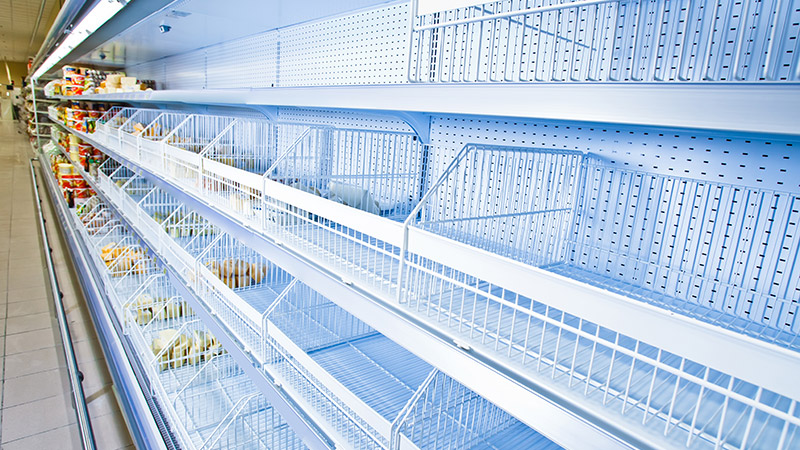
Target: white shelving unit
505, 225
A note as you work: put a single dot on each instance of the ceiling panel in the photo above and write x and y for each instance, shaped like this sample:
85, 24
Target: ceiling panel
18, 22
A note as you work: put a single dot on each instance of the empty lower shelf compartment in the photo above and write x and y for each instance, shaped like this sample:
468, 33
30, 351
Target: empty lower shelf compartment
371, 389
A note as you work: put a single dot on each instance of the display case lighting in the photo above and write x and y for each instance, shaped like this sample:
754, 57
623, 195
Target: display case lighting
100, 14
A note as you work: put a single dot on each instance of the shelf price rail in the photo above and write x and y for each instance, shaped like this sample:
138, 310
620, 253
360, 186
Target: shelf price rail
388, 238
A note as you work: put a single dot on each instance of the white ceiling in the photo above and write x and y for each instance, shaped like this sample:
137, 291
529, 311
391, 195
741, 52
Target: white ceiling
17, 23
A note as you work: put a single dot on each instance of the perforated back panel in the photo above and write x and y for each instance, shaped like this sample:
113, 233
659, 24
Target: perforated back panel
186, 71
343, 119
368, 47
638, 40
644, 40
244, 63
763, 163
697, 218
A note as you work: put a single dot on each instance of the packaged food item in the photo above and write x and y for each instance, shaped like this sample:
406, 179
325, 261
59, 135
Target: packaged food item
65, 169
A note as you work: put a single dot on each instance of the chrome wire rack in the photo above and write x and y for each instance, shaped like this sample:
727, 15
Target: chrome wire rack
544, 217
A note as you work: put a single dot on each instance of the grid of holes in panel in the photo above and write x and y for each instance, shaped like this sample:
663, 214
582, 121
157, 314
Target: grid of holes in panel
186, 71
152, 70
343, 119
244, 63
648, 40
702, 218
368, 47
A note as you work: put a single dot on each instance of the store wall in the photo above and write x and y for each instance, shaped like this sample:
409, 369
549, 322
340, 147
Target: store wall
19, 70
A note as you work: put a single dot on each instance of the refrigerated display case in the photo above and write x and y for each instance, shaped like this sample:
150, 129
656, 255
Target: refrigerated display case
513, 224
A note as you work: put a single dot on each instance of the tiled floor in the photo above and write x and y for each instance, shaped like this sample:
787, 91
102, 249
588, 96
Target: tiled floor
36, 406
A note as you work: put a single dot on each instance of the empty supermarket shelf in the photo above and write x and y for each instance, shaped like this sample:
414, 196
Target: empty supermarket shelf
419, 225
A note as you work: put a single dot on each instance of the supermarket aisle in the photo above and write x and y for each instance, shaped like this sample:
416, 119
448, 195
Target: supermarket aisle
36, 404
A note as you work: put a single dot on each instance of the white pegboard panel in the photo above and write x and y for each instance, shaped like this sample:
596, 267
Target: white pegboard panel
186, 71
759, 162
244, 63
343, 119
153, 70
698, 218
367, 47
637, 40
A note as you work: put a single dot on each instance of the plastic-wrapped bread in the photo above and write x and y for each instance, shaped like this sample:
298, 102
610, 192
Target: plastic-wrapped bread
195, 354
144, 316
180, 351
137, 128
107, 249
143, 305
233, 267
203, 339
163, 343
213, 350
213, 266
257, 272
242, 281
169, 309
229, 281
144, 301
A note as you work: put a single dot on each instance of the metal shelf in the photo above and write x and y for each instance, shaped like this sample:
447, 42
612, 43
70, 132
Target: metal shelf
535, 405
587, 300
377, 368
136, 401
303, 380
737, 107
125, 287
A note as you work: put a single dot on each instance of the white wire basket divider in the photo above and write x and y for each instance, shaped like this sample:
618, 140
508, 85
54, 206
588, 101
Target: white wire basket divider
133, 191
156, 210
109, 128
443, 413
182, 146
105, 171
207, 397
350, 182
233, 165
124, 264
131, 131
605, 40
210, 402
150, 141
189, 235
106, 123
112, 177
368, 388
227, 272
555, 222
337, 196
220, 406
300, 336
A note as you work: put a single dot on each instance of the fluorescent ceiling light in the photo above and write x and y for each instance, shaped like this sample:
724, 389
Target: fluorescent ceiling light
100, 14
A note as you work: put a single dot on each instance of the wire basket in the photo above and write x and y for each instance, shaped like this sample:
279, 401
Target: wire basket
233, 166
355, 380
107, 127
182, 147
134, 128
151, 140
